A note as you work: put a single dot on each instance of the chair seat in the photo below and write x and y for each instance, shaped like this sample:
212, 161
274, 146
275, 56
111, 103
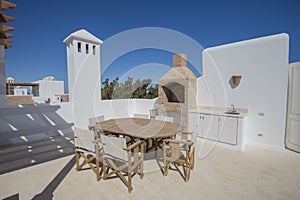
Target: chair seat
119, 159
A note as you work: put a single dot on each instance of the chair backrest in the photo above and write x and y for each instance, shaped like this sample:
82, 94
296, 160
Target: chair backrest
164, 118
114, 147
190, 136
84, 139
144, 116
94, 120
178, 145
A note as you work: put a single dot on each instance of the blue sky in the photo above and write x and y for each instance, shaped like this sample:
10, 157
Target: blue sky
41, 27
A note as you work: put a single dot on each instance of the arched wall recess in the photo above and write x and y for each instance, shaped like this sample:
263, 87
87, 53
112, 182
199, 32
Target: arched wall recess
235, 80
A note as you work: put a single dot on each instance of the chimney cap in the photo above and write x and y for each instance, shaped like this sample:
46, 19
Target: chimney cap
180, 60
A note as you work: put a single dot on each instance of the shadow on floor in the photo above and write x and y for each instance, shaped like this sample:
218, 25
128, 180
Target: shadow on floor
32, 134
47, 193
33, 153
13, 197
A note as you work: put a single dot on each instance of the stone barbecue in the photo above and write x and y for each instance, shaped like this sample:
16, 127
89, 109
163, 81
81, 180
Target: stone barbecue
177, 92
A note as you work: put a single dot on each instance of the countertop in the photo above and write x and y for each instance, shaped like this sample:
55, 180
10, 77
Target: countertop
221, 111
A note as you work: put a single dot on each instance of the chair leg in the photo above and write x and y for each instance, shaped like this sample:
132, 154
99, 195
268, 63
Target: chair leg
77, 160
167, 169
187, 168
165, 160
104, 169
141, 173
192, 159
85, 161
156, 147
147, 145
98, 170
166, 164
129, 180
189, 172
88, 161
142, 162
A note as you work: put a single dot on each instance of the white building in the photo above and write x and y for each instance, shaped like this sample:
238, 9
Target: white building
10, 80
83, 58
20, 91
263, 66
48, 89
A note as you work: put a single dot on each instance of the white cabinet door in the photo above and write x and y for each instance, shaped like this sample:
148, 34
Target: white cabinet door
210, 127
214, 127
220, 128
194, 122
228, 127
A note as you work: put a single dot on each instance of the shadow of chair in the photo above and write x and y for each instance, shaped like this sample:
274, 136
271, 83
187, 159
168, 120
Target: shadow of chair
121, 160
88, 148
180, 152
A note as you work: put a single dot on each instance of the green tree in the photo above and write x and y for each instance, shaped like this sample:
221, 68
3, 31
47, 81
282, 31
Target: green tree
108, 88
129, 89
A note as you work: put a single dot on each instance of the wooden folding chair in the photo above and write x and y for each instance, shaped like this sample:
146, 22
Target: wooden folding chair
157, 142
180, 152
87, 150
122, 160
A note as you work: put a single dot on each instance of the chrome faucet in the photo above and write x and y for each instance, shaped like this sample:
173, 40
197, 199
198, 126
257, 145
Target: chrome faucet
233, 108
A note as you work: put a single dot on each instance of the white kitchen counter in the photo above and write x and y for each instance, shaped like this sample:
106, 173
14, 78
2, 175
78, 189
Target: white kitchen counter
212, 110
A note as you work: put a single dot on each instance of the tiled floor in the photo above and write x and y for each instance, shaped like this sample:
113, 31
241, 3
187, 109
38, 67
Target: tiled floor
223, 174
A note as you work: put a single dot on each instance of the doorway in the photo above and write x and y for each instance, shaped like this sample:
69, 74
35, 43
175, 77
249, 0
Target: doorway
292, 138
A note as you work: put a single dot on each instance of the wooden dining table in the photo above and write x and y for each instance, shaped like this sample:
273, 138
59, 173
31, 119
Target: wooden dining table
140, 128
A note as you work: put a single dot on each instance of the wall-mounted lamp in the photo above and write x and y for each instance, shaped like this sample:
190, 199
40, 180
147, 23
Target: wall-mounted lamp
235, 81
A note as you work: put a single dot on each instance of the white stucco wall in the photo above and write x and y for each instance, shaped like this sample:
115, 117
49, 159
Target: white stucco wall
143, 106
20, 91
47, 89
117, 108
66, 112
263, 64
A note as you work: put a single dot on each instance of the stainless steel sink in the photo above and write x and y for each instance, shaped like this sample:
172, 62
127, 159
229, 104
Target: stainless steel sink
234, 112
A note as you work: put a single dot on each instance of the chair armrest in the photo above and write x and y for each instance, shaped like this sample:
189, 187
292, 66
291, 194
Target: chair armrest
179, 141
134, 145
186, 133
